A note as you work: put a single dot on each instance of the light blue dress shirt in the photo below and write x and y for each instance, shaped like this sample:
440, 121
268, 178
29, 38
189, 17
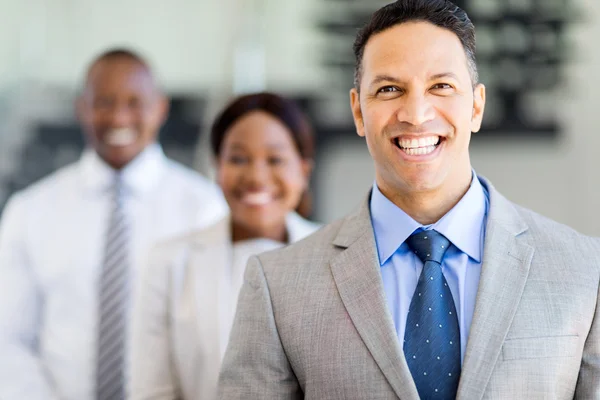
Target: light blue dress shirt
463, 226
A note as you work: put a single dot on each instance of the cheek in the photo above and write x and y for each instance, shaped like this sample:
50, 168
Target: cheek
147, 119
293, 183
380, 115
101, 121
457, 113
227, 177
96, 119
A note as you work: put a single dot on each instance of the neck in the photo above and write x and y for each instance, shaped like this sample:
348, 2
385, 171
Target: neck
428, 206
114, 165
240, 232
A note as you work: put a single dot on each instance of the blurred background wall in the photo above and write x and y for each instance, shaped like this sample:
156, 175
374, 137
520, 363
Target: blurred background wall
539, 59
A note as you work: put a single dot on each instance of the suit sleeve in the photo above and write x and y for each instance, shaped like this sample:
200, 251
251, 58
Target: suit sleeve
255, 364
22, 374
152, 375
588, 384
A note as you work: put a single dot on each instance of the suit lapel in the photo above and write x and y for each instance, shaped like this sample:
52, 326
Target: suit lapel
208, 278
358, 278
504, 273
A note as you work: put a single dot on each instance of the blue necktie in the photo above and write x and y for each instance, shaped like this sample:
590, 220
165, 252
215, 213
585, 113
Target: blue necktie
432, 336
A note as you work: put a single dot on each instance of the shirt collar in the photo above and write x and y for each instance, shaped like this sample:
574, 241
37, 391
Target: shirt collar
463, 225
139, 176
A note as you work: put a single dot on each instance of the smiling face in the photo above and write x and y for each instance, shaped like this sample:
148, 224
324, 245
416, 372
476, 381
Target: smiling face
417, 109
121, 109
262, 174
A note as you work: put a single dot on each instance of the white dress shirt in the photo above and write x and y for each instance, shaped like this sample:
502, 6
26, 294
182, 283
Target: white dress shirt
186, 307
52, 238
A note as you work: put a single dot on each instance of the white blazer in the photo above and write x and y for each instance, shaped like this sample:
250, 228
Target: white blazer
184, 311
52, 238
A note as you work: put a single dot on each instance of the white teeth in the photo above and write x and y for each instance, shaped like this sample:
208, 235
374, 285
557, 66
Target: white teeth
419, 151
120, 137
257, 199
418, 143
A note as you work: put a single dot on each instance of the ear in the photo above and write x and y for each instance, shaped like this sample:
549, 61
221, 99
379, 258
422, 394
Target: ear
357, 112
80, 109
163, 107
216, 163
307, 168
478, 107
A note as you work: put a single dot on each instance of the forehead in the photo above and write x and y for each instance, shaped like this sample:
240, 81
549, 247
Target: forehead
120, 75
258, 129
414, 49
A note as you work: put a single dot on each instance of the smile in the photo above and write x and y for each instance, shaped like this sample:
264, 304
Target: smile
418, 147
120, 137
257, 199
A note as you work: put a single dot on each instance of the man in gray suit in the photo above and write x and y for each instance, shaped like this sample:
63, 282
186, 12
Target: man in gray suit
437, 286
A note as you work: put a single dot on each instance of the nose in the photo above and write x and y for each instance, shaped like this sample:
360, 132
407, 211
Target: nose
258, 174
120, 116
415, 109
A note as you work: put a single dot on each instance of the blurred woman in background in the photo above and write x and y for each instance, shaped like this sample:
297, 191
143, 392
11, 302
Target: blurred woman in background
264, 151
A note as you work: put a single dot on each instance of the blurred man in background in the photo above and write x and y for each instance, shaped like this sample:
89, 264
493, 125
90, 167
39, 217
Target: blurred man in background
69, 243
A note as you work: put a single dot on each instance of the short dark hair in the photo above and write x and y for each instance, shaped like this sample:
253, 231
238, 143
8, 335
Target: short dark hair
442, 13
286, 111
117, 53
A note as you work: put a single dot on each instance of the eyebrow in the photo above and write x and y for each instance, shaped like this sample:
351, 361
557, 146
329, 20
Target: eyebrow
269, 146
444, 75
384, 78
389, 78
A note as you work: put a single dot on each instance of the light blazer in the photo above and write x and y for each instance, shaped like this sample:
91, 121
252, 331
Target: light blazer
183, 315
312, 319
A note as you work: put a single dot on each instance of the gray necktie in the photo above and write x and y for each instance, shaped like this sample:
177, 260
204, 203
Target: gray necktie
113, 299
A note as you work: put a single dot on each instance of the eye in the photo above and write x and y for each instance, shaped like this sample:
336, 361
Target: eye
442, 86
275, 160
103, 103
135, 103
388, 89
238, 160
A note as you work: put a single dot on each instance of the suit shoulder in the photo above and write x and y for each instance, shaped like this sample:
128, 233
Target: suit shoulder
213, 234
538, 224
185, 175
547, 234
47, 187
191, 183
314, 247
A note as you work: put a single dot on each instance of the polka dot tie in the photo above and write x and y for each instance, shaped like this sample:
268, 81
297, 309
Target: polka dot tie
432, 335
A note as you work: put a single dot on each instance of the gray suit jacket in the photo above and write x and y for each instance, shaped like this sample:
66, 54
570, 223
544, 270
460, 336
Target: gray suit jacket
312, 320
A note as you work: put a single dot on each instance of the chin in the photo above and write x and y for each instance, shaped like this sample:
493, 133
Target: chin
259, 226
124, 154
421, 181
